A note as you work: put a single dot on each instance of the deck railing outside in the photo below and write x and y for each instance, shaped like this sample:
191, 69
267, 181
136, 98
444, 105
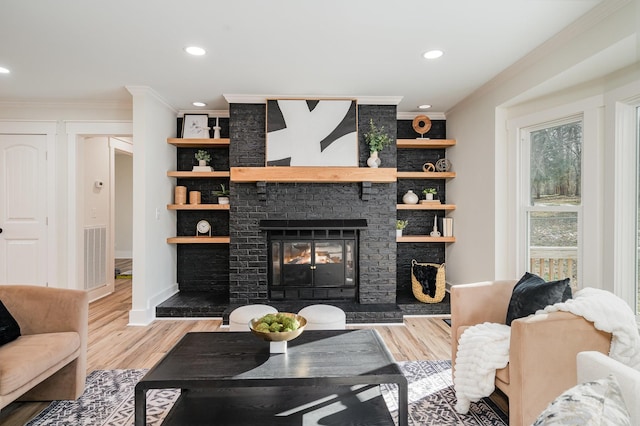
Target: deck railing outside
555, 263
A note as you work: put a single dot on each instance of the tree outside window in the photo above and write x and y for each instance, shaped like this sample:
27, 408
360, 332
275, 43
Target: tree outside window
553, 210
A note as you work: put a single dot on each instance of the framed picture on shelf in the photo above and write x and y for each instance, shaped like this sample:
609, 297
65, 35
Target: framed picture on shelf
312, 132
195, 126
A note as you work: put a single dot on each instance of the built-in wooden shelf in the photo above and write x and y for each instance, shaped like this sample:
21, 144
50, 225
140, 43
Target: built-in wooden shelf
424, 239
426, 175
198, 143
184, 174
313, 174
197, 206
429, 206
425, 143
198, 240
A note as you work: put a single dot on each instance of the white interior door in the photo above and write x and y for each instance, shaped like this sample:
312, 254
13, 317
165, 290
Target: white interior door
23, 209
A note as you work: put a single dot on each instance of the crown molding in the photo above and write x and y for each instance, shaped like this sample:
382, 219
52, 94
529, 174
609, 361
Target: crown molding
362, 100
146, 90
412, 115
219, 113
117, 105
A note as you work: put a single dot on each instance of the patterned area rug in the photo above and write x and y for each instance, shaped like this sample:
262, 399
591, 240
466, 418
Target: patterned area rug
432, 398
108, 400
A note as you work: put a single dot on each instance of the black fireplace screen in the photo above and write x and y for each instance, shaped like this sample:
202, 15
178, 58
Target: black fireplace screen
313, 264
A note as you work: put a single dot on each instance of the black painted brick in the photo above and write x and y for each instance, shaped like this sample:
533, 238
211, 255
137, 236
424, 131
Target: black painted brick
239, 271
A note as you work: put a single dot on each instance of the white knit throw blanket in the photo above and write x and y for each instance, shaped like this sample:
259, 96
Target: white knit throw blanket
484, 348
608, 313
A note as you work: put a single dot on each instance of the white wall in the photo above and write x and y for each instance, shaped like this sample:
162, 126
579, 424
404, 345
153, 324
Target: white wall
484, 239
123, 241
154, 266
59, 154
95, 167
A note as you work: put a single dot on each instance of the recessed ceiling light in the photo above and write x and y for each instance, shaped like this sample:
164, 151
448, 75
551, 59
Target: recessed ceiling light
433, 54
195, 50
4, 70
199, 104
425, 106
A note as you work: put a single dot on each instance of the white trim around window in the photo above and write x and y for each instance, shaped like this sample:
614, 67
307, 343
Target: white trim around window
622, 128
592, 184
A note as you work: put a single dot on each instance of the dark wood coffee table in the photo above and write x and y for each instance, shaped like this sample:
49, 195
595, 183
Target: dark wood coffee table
231, 378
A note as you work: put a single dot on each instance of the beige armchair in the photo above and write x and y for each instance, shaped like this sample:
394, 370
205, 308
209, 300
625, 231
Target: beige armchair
49, 360
543, 348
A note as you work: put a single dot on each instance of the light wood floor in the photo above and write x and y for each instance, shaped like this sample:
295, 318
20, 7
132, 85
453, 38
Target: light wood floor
115, 345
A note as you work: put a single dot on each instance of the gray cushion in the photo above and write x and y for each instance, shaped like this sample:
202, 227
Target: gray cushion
533, 293
593, 403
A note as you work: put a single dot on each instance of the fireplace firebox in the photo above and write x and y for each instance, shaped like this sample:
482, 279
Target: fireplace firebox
313, 259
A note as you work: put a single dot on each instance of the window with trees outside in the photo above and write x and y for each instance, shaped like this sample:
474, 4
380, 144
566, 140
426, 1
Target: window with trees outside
552, 203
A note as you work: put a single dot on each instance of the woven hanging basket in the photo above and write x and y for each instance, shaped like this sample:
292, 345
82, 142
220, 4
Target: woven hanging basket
440, 284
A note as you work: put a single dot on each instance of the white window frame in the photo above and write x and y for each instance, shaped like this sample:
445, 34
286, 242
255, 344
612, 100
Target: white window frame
623, 122
525, 206
590, 273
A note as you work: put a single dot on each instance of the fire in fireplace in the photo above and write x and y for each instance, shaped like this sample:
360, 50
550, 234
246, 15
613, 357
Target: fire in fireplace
313, 259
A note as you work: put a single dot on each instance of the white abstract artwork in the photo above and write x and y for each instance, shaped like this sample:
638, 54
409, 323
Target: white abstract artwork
312, 132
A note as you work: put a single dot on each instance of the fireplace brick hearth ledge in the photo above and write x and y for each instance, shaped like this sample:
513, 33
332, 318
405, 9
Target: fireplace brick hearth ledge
190, 304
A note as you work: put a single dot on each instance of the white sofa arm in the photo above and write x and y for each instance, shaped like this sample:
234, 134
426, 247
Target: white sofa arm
593, 365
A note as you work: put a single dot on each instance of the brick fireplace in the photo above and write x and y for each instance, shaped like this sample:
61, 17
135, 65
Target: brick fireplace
215, 278
252, 203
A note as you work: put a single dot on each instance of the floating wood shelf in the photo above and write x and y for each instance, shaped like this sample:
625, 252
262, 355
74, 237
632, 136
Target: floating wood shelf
426, 175
313, 174
198, 240
428, 206
425, 143
197, 206
180, 174
424, 239
198, 143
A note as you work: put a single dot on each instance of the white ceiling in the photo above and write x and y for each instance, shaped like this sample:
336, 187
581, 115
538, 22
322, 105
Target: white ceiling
88, 51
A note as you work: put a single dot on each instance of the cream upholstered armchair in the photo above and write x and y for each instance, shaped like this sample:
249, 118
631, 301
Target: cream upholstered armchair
543, 347
48, 361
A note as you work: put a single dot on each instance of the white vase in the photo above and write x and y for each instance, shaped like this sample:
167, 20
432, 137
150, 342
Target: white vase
202, 162
398, 232
216, 132
429, 196
223, 200
374, 160
410, 197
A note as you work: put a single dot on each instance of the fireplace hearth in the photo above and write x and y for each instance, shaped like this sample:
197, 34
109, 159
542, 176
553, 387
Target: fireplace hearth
313, 259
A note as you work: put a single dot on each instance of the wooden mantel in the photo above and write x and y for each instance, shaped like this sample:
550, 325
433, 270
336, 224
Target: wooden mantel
313, 174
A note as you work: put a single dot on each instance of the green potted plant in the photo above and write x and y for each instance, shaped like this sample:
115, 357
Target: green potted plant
203, 157
429, 193
377, 139
223, 195
400, 225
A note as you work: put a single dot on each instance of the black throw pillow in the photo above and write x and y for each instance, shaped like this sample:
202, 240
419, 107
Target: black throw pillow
533, 293
9, 328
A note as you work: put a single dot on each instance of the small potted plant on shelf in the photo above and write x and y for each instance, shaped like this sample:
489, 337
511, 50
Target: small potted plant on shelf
400, 225
429, 193
203, 157
223, 195
377, 139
